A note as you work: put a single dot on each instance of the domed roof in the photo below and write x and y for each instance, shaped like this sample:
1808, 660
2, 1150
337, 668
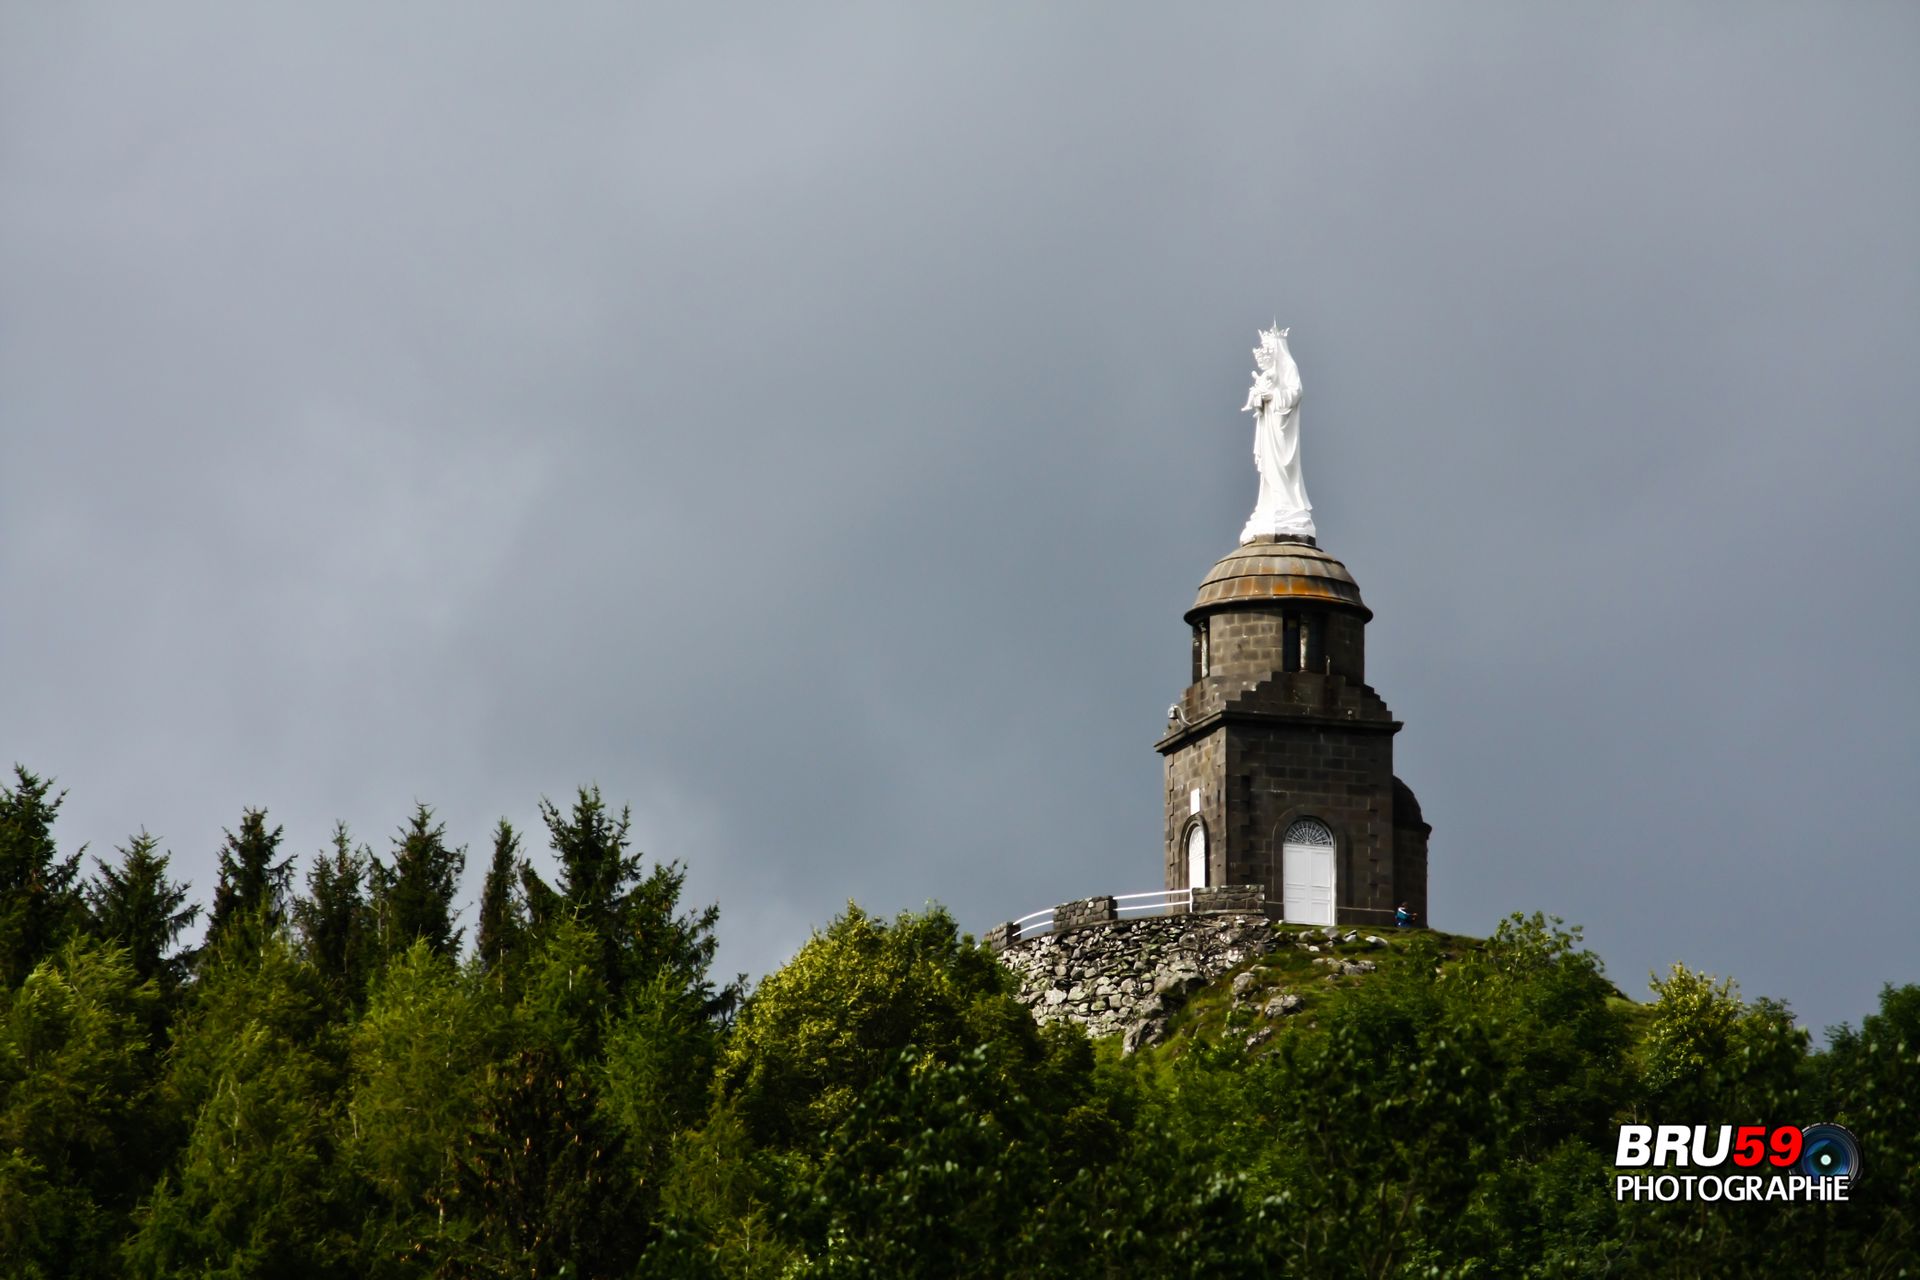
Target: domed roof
1406, 809
1269, 570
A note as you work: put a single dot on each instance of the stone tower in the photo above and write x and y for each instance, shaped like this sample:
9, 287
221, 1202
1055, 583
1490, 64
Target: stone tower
1279, 756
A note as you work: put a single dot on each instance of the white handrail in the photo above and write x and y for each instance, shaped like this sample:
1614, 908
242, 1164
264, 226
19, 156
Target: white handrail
1169, 901
1128, 905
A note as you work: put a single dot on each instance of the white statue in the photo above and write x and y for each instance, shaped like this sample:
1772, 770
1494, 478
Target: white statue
1283, 508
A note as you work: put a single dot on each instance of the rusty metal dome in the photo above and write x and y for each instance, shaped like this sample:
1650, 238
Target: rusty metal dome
1270, 571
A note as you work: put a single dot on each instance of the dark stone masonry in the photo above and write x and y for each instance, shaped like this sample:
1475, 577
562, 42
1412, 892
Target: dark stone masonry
1279, 755
1281, 805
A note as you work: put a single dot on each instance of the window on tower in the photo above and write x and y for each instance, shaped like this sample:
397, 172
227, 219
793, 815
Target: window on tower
1313, 643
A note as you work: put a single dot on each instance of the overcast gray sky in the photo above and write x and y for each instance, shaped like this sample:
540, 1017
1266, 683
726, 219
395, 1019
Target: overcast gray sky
811, 422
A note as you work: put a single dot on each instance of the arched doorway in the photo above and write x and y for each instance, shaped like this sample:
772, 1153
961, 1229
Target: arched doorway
1306, 873
1196, 856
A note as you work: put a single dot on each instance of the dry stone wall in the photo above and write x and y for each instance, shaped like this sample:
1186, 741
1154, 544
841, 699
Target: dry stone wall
1125, 976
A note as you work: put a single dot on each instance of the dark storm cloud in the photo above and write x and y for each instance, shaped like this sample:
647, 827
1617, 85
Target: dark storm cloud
811, 426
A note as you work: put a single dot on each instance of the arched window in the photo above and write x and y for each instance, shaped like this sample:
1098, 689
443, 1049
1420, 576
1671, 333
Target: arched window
1309, 831
1306, 872
1197, 856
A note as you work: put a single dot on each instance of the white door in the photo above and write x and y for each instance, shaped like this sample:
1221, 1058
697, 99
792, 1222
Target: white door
1197, 857
1306, 873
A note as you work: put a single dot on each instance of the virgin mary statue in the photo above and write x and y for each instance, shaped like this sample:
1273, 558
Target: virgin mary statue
1283, 509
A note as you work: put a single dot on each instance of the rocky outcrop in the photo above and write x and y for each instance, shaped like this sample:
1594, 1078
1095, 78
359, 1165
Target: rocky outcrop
1127, 977
1124, 977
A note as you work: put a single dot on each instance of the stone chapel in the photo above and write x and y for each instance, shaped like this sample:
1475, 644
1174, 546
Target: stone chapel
1279, 755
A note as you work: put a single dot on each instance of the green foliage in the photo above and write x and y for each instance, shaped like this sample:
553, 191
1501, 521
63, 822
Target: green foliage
77, 1125
1869, 1080
257, 1070
931, 1173
250, 901
578, 1098
136, 906
830, 1024
503, 922
658, 1062
414, 896
1358, 1139
335, 919
1710, 1057
540, 1178
39, 904
418, 1060
634, 913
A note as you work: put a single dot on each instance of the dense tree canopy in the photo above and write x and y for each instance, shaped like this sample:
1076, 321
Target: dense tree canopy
39, 900
333, 1089
136, 906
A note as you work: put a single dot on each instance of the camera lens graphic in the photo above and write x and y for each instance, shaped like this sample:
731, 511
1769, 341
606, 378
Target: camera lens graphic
1828, 1151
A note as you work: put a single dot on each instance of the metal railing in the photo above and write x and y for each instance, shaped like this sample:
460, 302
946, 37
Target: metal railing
1036, 925
1125, 906
1165, 902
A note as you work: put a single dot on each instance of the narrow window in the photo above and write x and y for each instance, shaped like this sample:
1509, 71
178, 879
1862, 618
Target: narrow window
1196, 856
1313, 655
1290, 643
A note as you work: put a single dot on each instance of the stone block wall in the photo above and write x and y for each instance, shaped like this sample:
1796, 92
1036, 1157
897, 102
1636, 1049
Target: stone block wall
1082, 912
1109, 977
1231, 897
1198, 767
1246, 646
1277, 772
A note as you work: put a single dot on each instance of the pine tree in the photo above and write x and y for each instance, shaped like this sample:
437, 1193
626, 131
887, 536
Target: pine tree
257, 1070
634, 915
335, 918
251, 898
501, 913
136, 906
417, 891
82, 1128
39, 904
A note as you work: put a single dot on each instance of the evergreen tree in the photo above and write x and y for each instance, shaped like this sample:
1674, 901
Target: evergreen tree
38, 901
416, 892
79, 1128
635, 916
258, 1069
540, 1180
419, 1055
596, 867
136, 906
251, 898
335, 918
501, 913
